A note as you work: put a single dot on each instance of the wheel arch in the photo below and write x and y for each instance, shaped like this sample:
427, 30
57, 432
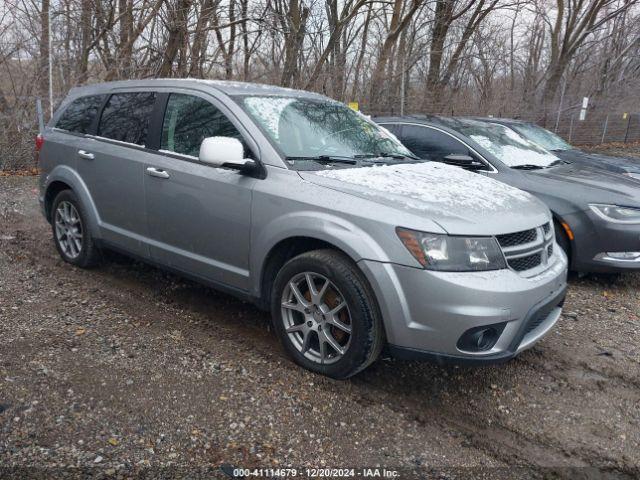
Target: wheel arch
52, 191
560, 224
62, 178
283, 251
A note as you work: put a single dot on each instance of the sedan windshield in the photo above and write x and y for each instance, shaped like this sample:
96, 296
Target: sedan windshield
542, 137
322, 131
505, 144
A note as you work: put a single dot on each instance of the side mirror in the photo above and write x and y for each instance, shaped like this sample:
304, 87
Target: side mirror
464, 161
218, 151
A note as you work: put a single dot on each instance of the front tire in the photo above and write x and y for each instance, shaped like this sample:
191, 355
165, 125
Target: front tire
70, 233
325, 314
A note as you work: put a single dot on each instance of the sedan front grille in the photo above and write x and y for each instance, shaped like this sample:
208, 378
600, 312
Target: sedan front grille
527, 249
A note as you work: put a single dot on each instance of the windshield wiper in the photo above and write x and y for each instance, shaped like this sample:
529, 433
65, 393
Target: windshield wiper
395, 156
528, 166
322, 159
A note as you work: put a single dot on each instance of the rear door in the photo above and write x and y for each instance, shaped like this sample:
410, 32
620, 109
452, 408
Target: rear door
112, 165
199, 217
66, 140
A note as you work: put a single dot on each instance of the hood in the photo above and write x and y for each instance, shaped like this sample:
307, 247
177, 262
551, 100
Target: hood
461, 202
598, 160
582, 185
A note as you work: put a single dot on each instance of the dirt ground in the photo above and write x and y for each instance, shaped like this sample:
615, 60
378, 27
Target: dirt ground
125, 370
616, 149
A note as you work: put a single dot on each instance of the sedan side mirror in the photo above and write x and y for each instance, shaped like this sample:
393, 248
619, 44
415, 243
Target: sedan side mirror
464, 161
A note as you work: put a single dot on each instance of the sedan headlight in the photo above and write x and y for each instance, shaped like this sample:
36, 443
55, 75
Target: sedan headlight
452, 254
616, 214
633, 175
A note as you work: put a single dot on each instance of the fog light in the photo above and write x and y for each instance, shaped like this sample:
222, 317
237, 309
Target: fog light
624, 255
618, 256
480, 339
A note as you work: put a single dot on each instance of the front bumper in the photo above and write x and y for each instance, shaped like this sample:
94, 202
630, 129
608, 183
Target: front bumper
425, 312
594, 237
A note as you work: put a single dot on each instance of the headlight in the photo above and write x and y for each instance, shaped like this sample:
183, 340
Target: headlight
632, 175
613, 213
452, 254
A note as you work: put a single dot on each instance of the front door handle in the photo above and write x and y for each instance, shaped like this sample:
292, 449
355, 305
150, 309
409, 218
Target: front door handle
157, 172
85, 155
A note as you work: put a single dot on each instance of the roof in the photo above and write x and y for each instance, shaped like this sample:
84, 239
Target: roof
227, 87
426, 119
505, 121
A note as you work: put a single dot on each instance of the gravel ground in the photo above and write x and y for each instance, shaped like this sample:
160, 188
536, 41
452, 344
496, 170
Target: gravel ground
126, 370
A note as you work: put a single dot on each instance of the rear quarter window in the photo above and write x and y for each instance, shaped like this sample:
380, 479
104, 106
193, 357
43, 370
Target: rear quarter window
79, 114
126, 117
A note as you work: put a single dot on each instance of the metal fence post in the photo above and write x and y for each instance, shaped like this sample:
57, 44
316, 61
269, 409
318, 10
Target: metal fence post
626, 133
571, 128
604, 130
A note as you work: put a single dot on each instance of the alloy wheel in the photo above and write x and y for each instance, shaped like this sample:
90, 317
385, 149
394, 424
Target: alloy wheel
316, 318
68, 229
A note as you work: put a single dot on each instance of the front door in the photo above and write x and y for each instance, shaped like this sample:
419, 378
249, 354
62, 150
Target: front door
198, 216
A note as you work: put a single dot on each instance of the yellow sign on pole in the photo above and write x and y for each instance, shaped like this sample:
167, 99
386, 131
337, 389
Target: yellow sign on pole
354, 106
624, 115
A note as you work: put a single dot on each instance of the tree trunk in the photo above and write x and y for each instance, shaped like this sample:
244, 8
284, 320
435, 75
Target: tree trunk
44, 56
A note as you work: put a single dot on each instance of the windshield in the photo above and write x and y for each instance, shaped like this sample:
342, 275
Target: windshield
505, 144
542, 137
307, 127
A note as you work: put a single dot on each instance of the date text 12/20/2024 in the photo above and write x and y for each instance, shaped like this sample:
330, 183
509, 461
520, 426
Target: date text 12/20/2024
316, 472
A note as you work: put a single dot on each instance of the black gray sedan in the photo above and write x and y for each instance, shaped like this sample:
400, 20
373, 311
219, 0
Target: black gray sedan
596, 212
556, 145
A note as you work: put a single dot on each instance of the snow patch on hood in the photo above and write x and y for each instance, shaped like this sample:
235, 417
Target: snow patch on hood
432, 185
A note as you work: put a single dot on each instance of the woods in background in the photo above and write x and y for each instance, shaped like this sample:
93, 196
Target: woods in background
509, 57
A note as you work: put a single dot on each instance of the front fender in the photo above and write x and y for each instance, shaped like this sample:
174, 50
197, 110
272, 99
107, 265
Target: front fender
337, 231
67, 175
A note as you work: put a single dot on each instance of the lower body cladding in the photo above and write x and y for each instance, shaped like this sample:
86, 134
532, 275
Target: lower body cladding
466, 317
602, 246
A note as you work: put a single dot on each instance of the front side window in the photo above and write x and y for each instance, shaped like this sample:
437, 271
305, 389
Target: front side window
308, 127
427, 142
126, 117
188, 120
79, 115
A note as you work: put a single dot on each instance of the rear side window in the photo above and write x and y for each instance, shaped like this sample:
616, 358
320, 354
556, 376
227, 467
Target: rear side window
79, 115
188, 120
427, 142
126, 117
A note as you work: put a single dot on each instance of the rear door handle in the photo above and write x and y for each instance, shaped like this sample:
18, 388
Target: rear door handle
85, 155
157, 172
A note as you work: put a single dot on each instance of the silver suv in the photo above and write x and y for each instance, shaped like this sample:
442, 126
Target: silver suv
310, 210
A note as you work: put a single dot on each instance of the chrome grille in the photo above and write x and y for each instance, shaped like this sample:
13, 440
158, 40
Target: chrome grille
528, 250
518, 238
525, 263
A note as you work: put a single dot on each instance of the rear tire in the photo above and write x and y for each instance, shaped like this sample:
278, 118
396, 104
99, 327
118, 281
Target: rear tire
70, 232
325, 314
